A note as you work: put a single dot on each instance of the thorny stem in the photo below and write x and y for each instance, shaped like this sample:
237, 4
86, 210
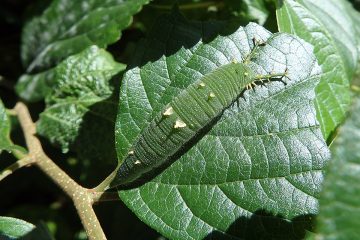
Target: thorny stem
83, 198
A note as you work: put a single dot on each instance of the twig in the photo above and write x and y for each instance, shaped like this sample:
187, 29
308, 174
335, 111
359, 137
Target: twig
19, 154
82, 197
104, 196
104, 185
26, 161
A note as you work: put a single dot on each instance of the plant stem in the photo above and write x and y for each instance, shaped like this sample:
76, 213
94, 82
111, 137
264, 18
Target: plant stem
18, 154
104, 196
82, 197
104, 185
26, 161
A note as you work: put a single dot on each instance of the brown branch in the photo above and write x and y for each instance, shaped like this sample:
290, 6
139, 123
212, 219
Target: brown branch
26, 161
83, 198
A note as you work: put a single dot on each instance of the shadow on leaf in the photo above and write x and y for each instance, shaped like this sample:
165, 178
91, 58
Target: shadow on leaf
264, 225
184, 34
95, 143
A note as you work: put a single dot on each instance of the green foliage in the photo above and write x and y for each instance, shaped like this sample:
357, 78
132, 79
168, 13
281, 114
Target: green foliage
82, 81
324, 24
339, 216
250, 9
12, 228
62, 30
5, 128
247, 168
5, 142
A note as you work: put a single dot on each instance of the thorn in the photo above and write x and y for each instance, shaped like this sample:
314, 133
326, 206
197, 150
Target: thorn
179, 124
246, 74
131, 152
258, 43
262, 44
137, 162
168, 112
254, 41
234, 61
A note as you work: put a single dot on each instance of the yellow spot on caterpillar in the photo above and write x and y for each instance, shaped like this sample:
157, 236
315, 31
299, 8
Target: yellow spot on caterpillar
168, 112
179, 124
211, 96
131, 152
201, 85
137, 162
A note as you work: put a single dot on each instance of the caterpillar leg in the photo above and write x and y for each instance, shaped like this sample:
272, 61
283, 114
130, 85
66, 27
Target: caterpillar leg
250, 85
270, 76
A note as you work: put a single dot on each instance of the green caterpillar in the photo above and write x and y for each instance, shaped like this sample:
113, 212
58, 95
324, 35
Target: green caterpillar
186, 115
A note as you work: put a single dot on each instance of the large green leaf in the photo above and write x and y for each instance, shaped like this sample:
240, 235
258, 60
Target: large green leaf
328, 25
81, 103
257, 171
66, 28
339, 216
13, 228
